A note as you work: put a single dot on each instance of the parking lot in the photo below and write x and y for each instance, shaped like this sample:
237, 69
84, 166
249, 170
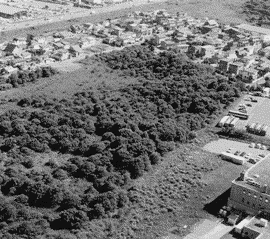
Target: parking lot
223, 145
259, 112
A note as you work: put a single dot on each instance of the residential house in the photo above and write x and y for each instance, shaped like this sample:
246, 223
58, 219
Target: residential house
194, 51
26, 55
166, 45
232, 32
20, 42
61, 55
223, 65
181, 47
88, 26
66, 44
58, 45
157, 39
76, 28
235, 67
223, 36
210, 25
133, 27
249, 73
6, 60
117, 31
243, 42
75, 50
87, 42
180, 40
12, 49
9, 70
207, 51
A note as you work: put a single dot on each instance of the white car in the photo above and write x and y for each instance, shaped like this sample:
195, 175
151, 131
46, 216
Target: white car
247, 156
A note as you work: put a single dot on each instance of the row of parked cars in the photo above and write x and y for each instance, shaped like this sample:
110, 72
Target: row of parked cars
250, 98
258, 146
239, 153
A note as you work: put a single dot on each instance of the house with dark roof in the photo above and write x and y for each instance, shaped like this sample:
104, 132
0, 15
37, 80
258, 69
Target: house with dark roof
12, 49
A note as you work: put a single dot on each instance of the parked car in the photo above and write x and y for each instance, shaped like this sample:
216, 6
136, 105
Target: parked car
249, 105
229, 151
247, 156
258, 146
254, 100
243, 154
237, 152
252, 160
257, 94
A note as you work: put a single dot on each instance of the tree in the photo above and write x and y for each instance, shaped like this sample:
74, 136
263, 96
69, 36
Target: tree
7, 212
70, 200
154, 158
73, 218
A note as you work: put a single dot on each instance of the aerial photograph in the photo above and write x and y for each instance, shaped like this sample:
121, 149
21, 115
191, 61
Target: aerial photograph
135, 119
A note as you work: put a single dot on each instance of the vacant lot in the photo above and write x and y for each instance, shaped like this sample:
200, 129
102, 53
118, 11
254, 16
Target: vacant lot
174, 196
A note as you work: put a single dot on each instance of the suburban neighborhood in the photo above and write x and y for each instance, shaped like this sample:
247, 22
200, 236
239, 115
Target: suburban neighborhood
240, 50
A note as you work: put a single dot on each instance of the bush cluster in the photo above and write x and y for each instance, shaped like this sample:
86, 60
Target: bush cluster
23, 76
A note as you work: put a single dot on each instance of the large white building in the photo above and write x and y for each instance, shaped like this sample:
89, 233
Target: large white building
251, 191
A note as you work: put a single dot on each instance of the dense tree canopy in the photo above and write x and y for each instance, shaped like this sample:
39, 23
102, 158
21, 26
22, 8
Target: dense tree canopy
112, 137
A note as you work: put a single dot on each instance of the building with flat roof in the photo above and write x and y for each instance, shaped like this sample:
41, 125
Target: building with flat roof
256, 228
250, 192
11, 12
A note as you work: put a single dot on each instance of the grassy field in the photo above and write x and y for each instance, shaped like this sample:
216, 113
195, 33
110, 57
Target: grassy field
174, 196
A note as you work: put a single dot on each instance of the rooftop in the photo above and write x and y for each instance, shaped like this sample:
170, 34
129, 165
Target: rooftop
254, 224
262, 168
